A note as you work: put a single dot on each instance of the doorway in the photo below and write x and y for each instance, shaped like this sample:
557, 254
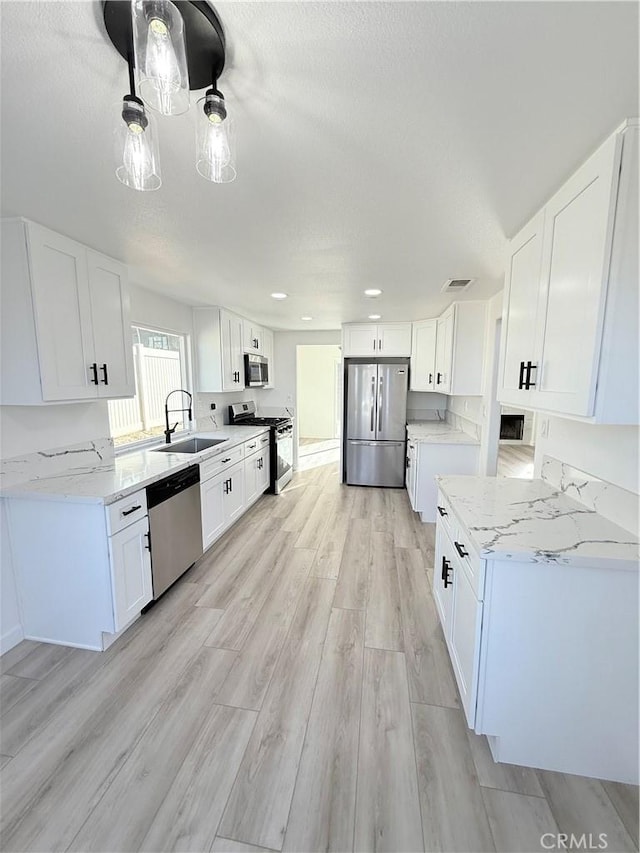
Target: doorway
318, 404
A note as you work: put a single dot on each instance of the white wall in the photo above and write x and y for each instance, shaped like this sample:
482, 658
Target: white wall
608, 452
284, 395
316, 390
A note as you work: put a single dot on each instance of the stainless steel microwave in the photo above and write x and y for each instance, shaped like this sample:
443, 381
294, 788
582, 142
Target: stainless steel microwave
256, 370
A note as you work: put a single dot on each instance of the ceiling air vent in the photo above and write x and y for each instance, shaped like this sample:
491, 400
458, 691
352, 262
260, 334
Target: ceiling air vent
457, 284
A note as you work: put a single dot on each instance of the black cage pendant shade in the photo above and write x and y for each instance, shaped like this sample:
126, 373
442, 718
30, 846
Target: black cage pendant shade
171, 47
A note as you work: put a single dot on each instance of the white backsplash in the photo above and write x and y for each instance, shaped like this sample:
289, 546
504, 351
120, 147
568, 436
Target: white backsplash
45, 463
612, 502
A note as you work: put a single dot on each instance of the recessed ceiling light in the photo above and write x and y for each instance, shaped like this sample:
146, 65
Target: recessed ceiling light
279, 295
306, 317
374, 316
372, 291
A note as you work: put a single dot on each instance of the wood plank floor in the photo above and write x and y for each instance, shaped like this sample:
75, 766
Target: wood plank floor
515, 460
291, 692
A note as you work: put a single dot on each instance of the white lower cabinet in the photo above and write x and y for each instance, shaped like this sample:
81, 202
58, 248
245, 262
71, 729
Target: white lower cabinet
83, 570
222, 502
425, 461
231, 483
130, 571
545, 655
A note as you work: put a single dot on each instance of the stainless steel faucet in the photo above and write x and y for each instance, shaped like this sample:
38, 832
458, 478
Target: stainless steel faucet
169, 430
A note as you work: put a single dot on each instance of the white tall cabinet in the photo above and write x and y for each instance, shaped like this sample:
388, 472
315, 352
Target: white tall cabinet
376, 339
66, 331
570, 318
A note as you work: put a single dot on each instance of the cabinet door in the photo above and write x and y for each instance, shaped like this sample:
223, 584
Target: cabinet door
212, 509
412, 474
444, 352
232, 354
267, 352
130, 572
423, 356
264, 475
109, 293
577, 248
520, 312
394, 339
361, 340
60, 289
251, 337
466, 625
233, 493
443, 579
251, 468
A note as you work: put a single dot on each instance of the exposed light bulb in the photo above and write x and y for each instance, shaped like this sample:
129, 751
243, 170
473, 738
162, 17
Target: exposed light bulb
214, 149
137, 157
162, 66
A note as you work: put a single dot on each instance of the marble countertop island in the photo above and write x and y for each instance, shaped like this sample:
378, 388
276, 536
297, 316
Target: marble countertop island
122, 475
530, 521
438, 432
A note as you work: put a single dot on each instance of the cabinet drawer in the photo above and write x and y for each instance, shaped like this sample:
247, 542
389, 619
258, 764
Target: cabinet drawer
446, 516
126, 511
472, 565
256, 444
210, 467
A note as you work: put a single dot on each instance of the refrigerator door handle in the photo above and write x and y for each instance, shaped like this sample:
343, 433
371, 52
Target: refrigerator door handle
380, 405
373, 400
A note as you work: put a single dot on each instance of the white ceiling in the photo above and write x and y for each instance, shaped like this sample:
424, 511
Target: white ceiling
383, 144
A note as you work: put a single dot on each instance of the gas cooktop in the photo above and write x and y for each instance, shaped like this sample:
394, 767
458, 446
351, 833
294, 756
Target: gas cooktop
245, 413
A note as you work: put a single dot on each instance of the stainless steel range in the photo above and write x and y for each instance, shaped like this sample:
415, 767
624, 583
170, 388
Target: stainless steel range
281, 432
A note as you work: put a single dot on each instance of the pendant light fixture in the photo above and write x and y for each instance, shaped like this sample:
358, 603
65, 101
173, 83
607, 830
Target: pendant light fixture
171, 47
136, 144
214, 139
160, 56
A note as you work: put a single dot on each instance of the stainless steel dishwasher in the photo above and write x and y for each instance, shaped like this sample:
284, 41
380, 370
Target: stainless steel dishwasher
175, 526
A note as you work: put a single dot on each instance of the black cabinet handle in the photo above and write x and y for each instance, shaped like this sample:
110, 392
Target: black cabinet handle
446, 568
251, 446
148, 545
438, 380
228, 459
442, 510
94, 370
225, 487
431, 379
521, 377
527, 382
230, 484
461, 549
408, 462
133, 509
105, 378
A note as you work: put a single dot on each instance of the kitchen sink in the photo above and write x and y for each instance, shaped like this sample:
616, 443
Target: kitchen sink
191, 445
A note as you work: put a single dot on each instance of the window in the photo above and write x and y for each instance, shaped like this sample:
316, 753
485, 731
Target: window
160, 364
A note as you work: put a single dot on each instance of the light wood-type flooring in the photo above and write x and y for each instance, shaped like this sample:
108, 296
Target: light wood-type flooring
292, 692
515, 460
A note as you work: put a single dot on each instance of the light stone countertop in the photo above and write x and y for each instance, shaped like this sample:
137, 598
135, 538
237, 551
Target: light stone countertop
438, 432
530, 521
127, 473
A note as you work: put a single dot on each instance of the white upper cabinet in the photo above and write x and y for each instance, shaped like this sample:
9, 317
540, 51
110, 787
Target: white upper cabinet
448, 352
423, 356
109, 296
376, 339
444, 352
570, 321
268, 352
66, 331
252, 335
522, 294
218, 347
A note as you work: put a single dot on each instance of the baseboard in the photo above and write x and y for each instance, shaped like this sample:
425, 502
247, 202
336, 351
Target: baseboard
11, 639
89, 647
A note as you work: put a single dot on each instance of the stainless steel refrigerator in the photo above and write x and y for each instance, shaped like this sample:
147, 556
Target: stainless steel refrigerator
375, 424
